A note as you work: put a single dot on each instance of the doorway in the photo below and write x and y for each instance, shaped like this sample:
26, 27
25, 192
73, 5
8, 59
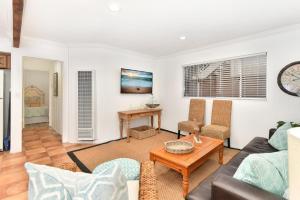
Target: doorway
42, 94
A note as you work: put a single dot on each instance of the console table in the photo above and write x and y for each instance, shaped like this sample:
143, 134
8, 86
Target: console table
127, 116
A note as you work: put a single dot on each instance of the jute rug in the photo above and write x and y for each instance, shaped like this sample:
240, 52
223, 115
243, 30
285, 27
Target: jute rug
169, 181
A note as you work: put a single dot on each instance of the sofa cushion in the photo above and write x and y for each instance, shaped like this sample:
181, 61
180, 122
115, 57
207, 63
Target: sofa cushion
203, 190
53, 183
216, 131
238, 159
259, 145
226, 187
129, 167
279, 139
268, 171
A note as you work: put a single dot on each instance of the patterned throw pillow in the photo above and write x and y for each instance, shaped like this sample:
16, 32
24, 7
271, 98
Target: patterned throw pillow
279, 139
129, 167
56, 184
268, 171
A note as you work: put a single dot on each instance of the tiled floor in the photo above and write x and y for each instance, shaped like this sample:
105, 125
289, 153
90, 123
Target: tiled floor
36, 125
41, 145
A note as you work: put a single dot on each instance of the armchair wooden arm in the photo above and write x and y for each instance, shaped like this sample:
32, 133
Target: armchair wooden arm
148, 182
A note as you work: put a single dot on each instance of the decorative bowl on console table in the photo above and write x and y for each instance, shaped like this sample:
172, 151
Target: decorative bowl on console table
151, 105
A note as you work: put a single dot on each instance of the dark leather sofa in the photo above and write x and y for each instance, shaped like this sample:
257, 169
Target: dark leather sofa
222, 186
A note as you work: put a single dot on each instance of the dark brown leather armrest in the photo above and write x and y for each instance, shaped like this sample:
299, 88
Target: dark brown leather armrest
226, 187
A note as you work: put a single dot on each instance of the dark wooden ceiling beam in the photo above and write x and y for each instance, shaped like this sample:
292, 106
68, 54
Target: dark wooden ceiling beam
17, 21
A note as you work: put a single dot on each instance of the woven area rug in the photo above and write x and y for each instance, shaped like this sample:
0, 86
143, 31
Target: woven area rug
169, 181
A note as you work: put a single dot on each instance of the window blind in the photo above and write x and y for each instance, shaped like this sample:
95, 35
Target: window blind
243, 77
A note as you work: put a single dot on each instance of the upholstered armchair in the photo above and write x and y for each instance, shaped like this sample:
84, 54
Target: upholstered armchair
220, 121
196, 117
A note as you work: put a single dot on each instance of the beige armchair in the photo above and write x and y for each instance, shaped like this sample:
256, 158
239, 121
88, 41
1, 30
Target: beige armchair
220, 121
196, 117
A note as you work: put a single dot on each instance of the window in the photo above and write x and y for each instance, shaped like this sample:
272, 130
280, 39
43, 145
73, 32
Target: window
243, 77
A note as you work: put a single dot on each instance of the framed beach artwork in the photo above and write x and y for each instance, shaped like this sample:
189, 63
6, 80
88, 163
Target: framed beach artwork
136, 82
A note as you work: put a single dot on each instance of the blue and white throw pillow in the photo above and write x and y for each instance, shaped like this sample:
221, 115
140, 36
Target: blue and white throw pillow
268, 171
279, 139
129, 167
57, 184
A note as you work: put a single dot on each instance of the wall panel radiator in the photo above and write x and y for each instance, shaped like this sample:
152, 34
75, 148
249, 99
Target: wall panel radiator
86, 105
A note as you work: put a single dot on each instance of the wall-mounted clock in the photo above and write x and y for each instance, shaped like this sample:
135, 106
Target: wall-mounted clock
289, 79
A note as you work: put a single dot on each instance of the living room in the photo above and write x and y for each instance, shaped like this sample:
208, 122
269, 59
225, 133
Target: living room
168, 41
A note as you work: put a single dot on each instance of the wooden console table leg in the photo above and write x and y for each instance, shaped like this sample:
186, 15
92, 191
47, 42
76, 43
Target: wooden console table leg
127, 130
185, 182
159, 121
121, 127
152, 121
221, 152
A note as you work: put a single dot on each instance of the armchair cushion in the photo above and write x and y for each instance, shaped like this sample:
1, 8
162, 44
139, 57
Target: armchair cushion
189, 126
215, 131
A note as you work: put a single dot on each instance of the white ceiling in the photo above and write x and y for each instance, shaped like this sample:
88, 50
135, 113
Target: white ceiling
154, 26
5, 18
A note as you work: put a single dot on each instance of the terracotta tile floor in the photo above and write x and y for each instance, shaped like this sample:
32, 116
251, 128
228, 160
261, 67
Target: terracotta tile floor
41, 145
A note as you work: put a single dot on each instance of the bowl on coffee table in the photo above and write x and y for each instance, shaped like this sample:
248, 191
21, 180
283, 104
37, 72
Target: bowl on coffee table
179, 147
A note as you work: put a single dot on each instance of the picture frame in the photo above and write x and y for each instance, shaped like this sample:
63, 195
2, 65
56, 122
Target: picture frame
288, 79
55, 84
136, 81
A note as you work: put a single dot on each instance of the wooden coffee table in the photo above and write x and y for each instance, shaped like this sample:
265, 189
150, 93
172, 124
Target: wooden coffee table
187, 163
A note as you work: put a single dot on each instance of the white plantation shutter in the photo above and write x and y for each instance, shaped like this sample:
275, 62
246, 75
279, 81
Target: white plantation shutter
243, 77
86, 105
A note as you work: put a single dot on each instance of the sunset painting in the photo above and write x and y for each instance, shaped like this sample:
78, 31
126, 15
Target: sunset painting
136, 82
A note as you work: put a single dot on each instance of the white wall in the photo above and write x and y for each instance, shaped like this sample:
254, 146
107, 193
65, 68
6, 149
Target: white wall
250, 118
107, 63
55, 108
37, 64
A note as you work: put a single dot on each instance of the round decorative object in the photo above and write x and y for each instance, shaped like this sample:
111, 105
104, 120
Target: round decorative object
130, 168
289, 79
152, 105
179, 147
